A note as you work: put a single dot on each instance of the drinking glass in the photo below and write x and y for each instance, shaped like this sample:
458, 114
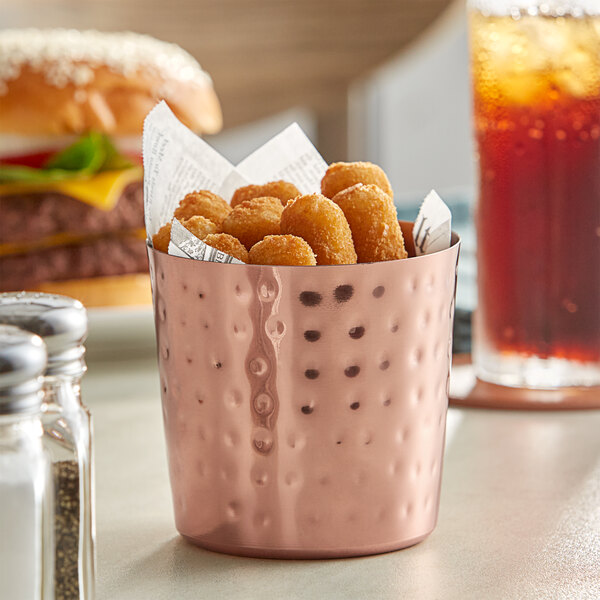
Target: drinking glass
536, 89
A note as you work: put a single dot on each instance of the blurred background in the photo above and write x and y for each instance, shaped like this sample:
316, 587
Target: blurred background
379, 80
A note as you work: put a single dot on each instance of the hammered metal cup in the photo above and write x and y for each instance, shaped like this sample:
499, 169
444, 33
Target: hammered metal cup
305, 407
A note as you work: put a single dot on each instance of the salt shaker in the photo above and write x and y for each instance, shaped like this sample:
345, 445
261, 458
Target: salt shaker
26, 548
62, 323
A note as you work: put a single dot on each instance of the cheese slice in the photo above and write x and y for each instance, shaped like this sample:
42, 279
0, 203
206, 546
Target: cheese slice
102, 190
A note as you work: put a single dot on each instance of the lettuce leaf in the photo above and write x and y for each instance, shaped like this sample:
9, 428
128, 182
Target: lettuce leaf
90, 154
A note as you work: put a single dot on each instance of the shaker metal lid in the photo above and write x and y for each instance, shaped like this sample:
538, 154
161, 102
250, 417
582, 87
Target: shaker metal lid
60, 321
22, 362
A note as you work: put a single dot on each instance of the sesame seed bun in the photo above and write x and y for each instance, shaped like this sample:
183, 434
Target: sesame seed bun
57, 82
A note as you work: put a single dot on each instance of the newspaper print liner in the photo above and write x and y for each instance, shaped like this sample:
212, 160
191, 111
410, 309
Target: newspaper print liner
176, 161
186, 245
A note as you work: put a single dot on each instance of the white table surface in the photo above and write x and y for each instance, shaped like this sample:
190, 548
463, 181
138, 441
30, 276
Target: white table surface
519, 515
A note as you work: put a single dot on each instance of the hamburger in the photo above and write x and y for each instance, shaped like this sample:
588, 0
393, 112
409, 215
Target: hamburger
72, 105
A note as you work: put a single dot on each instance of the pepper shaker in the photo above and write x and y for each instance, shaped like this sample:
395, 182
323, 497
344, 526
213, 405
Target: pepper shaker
62, 323
26, 548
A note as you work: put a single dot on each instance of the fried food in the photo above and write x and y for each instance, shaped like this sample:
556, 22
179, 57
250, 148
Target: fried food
340, 176
200, 226
322, 224
254, 219
274, 189
373, 221
353, 220
161, 239
282, 250
228, 244
205, 204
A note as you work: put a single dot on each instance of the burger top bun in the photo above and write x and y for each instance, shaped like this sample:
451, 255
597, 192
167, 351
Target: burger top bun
59, 81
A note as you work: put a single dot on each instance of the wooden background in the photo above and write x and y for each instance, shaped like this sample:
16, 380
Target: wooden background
264, 55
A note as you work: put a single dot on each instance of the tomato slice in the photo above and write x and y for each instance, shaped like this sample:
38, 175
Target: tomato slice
35, 159
134, 157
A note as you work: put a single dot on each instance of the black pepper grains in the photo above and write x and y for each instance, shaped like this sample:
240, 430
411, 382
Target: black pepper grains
66, 530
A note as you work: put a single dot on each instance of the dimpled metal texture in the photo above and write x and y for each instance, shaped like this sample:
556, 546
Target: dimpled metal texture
305, 407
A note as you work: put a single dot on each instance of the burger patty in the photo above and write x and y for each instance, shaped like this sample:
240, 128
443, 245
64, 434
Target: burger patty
34, 216
110, 255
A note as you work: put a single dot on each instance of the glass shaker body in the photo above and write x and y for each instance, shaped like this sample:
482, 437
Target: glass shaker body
26, 511
25, 508
62, 324
68, 439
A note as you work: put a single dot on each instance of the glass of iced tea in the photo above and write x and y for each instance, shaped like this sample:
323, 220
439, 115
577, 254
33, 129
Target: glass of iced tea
536, 88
